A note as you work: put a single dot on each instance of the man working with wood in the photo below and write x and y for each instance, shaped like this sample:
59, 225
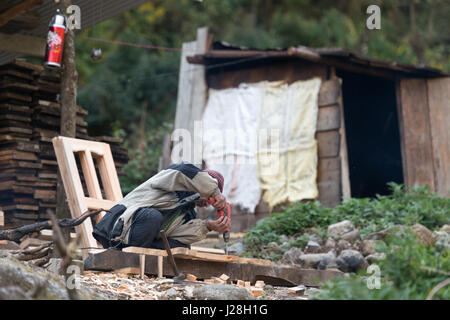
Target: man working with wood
165, 202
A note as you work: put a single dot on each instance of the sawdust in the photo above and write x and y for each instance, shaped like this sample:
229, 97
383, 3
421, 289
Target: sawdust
132, 287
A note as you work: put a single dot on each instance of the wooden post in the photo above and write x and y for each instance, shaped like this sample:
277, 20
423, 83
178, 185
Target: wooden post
69, 78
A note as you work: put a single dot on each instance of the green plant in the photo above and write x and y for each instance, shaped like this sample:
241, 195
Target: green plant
409, 271
403, 206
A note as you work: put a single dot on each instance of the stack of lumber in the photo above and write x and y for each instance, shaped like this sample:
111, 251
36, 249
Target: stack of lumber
19, 161
30, 114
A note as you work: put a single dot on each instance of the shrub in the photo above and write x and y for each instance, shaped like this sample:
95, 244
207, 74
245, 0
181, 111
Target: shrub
409, 271
403, 206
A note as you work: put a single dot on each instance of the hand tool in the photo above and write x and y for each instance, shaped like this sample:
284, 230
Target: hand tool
221, 213
178, 275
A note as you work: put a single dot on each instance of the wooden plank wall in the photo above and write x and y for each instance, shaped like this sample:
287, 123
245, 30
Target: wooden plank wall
192, 93
424, 109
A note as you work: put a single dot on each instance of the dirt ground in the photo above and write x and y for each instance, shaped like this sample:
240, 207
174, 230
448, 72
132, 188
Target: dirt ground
126, 286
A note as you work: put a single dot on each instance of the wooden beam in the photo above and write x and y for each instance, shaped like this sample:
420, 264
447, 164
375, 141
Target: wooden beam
183, 253
273, 274
23, 44
17, 10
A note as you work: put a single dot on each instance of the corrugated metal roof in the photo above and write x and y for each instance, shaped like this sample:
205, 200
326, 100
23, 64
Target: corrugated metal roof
332, 56
92, 12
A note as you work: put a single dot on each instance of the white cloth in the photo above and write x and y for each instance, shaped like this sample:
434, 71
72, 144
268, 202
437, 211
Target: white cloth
261, 137
230, 124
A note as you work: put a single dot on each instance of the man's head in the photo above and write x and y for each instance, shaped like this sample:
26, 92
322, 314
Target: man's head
216, 175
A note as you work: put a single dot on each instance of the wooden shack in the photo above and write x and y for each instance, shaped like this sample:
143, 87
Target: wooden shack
378, 121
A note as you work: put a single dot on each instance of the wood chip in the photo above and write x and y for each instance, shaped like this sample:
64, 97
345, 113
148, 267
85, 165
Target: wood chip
209, 280
257, 292
191, 277
247, 285
260, 284
218, 280
298, 291
224, 277
240, 283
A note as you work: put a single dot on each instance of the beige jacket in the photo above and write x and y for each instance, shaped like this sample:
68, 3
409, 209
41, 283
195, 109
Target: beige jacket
167, 191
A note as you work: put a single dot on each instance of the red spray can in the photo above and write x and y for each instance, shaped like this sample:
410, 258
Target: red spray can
55, 40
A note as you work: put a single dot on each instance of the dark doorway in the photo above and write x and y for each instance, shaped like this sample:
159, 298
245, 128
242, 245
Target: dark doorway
373, 140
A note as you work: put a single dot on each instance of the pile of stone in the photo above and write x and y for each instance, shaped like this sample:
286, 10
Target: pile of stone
344, 249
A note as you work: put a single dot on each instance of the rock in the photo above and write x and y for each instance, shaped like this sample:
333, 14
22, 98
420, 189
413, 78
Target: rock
269, 289
330, 244
442, 240
38, 283
368, 247
445, 228
292, 256
351, 236
221, 292
424, 234
171, 293
372, 258
54, 265
189, 292
316, 238
236, 248
351, 261
312, 260
336, 230
312, 247
327, 263
343, 245
275, 248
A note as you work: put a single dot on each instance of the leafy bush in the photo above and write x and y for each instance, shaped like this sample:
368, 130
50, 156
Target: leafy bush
404, 206
409, 271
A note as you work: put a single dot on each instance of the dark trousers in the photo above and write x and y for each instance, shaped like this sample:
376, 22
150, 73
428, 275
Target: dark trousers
145, 226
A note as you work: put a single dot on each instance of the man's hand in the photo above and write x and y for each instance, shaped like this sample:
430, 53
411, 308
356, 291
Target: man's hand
223, 224
220, 202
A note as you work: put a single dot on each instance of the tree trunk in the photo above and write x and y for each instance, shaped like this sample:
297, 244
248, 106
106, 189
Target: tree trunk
69, 77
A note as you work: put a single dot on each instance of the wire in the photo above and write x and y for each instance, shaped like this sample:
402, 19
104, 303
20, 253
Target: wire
129, 44
167, 74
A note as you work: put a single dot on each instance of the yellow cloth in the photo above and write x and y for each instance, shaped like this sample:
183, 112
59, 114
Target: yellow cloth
287, 159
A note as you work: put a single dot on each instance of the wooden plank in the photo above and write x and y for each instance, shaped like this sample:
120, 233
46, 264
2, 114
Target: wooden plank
415, 133
329, 118
329, 181
73, 188
271, 274
183, 253
23, 44
17, 10
90, 176
439, 106
328, 143
329, 92
108, 174
2, 218
343, 152
93, 203
210, 250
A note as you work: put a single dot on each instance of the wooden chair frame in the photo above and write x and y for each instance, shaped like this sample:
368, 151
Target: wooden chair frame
65, 149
